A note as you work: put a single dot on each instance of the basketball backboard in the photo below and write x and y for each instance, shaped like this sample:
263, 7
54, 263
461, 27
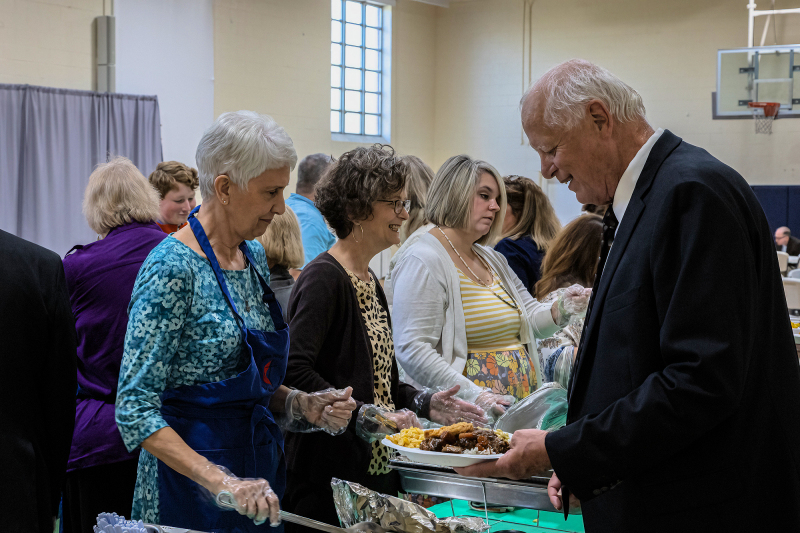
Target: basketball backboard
758, 74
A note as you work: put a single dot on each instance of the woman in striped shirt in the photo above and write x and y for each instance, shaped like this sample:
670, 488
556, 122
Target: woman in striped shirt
462, 317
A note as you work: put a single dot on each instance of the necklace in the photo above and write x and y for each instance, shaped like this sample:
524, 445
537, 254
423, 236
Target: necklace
488, 269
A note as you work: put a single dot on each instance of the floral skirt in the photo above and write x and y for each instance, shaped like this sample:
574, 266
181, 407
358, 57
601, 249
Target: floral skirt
503, 371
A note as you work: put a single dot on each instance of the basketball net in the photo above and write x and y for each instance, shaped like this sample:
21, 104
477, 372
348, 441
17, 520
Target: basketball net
764, 114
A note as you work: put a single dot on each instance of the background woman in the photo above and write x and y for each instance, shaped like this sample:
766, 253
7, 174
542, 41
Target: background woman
341, 334
206, 346
176, 183
121, 206
283, 246
529, 226
419, 179
572, 259
462, 317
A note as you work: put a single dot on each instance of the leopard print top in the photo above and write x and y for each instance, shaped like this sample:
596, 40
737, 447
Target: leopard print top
380, 337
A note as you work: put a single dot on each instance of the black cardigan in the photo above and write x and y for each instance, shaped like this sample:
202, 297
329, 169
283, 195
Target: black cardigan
329, 347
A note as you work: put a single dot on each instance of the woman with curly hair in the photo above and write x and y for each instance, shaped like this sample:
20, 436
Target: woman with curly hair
340, 334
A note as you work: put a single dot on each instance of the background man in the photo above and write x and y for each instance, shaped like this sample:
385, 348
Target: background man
317, 238
686, 393
37, 399
784, 242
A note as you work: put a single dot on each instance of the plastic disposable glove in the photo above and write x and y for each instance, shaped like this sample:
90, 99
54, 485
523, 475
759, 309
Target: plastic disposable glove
494, 405
374, 422
328, 410
572, 302
253, 498
446, 409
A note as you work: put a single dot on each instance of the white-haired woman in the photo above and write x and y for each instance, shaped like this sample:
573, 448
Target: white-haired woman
206, 347
461, 314
121, 207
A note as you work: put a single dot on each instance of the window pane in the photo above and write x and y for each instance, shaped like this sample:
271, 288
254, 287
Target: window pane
336, 76
372, 59
373, 38
372, 125
352, 56
352, 79
353, 13
352, 100
373, 16
336, 54
372, 103
353, 34
352, 123
336, 9
372, 82
336, 31
335, 121
336, 99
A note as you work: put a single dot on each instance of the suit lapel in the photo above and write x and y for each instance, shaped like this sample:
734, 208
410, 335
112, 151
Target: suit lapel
661, 150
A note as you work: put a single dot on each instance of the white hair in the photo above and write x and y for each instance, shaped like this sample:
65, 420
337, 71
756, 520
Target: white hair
568, 87
242, 145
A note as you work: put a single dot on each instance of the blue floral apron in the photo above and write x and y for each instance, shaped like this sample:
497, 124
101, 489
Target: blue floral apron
228, 422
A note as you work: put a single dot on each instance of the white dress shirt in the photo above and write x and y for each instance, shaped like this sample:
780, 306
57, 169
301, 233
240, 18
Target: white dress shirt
622, 196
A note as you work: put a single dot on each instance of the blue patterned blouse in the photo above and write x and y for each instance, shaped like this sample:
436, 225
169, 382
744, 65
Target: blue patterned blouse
181, 331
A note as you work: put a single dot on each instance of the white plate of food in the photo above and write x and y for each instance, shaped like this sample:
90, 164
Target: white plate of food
464, 444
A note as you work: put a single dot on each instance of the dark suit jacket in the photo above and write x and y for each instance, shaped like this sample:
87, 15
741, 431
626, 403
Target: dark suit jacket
792, 247
685, 402
37, 398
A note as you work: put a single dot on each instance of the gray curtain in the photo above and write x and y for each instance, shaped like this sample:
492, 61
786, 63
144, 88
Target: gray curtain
51, 140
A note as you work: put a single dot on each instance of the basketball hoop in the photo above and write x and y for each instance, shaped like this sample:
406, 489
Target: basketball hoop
764, 113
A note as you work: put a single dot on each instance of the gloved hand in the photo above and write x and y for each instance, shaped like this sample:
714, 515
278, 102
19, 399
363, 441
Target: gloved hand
494, 405
572, 302
253, 498
374, 423
329, 410
446, 409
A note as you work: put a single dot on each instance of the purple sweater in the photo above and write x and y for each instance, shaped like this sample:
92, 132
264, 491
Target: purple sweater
100, 279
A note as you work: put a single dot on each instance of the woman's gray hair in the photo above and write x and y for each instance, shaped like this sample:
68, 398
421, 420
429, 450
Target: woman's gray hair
242, 145
118, 194
452, 191
568, 87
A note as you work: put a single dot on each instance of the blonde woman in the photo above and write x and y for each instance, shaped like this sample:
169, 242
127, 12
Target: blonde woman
529, 226
461, 315
121, 207
419, 179
283, 245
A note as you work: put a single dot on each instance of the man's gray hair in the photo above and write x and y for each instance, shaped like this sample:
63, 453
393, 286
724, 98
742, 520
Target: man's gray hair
568, 87
242, 145
310, 170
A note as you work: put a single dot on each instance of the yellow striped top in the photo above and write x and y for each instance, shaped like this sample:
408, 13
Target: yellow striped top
491, 321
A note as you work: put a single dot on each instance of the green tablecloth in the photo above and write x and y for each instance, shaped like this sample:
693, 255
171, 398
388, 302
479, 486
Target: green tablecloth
526, 520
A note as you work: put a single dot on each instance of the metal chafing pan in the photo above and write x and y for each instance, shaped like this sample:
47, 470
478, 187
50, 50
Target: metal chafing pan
444, 482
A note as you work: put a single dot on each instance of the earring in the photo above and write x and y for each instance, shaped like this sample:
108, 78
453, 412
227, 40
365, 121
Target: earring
224, 201
362, 233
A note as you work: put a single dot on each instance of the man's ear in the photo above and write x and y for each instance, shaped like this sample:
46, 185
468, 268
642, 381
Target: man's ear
222, 186
601, 116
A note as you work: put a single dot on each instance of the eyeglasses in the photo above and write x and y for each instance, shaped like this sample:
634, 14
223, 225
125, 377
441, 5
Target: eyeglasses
398, 205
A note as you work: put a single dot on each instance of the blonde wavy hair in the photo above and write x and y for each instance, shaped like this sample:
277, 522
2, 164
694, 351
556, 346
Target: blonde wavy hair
282, 241
535, 214
118, 194
419, 179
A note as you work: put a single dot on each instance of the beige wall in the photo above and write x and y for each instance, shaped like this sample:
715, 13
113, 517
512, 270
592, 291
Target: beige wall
274, 57
665, 50
48, 43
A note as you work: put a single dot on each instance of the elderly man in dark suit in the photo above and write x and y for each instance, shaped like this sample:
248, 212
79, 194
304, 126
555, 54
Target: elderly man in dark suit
37, 398
784, 242
685, 400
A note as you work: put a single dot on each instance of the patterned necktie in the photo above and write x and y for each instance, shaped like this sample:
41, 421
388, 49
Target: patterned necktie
610, 224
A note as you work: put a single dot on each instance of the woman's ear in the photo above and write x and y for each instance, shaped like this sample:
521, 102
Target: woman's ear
222, 185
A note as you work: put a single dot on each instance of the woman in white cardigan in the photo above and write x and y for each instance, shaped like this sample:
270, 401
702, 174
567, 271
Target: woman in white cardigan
461, 316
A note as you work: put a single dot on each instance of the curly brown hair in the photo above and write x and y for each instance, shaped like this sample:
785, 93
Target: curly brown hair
572, 257
168, 174
355, 181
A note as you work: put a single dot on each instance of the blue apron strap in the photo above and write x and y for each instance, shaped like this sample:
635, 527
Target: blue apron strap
202, 239
269, 296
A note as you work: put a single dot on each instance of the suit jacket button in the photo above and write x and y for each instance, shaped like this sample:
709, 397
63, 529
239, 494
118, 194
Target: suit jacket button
597, 492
